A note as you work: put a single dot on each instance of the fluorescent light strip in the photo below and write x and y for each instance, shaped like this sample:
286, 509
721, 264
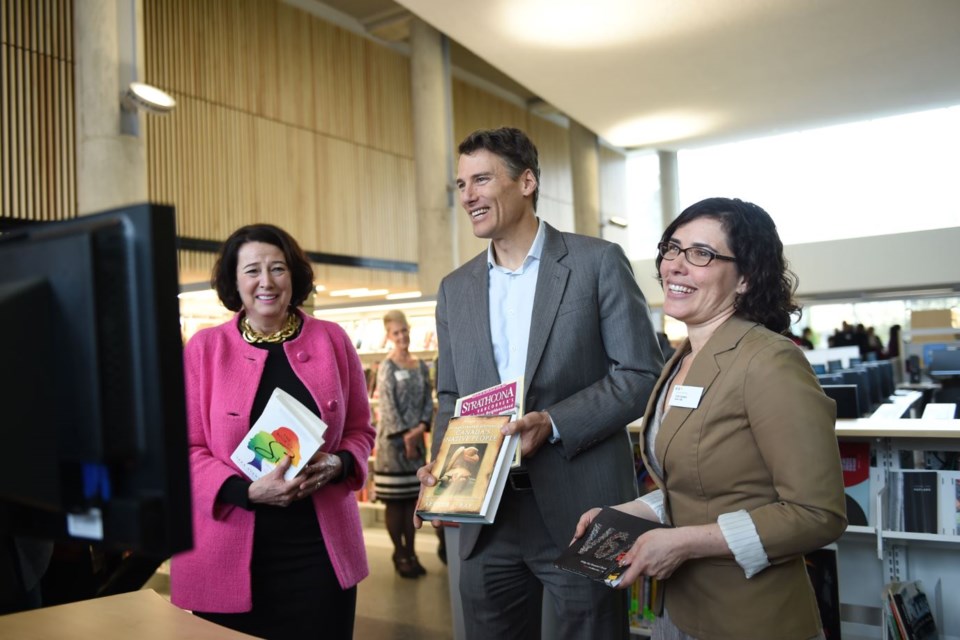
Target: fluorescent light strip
404, 295
367, 293
349, 292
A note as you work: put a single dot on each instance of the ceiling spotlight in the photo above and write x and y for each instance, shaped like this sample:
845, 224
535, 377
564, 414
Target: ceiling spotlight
147, 97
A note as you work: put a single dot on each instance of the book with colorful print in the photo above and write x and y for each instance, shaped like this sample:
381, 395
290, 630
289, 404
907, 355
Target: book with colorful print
597, 554
286, 427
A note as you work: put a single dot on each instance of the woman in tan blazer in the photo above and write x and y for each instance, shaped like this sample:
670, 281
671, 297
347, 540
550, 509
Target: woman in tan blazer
739, 438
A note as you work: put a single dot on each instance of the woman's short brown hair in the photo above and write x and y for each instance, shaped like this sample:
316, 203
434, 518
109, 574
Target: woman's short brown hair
224, 277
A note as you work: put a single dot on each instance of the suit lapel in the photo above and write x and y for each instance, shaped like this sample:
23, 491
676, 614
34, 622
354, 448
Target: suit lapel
476, 315
551, 283
703, 373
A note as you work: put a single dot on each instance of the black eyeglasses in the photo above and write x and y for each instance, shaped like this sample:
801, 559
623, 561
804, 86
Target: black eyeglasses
697, 256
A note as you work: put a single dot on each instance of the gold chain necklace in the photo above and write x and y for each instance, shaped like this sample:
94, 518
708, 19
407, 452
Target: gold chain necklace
253, 336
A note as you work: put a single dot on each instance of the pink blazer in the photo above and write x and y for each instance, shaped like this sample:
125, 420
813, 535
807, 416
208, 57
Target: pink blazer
222, 374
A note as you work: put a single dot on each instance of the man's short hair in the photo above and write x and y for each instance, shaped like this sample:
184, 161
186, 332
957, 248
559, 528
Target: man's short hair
513, 146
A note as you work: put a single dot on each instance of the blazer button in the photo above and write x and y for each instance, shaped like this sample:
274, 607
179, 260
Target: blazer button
332, 405
303, 356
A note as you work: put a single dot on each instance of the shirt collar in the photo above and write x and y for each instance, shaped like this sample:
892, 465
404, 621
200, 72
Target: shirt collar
536, 249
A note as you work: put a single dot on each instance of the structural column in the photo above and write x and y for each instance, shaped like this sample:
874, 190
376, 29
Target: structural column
111, 150
585, 167
669, 187
432, 153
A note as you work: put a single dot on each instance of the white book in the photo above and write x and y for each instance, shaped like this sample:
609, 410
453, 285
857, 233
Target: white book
948, 507
285, 427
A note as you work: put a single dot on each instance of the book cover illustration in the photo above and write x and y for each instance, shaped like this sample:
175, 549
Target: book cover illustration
597, 554
912, 617
471, 470
855, 461
285, 428
502, 399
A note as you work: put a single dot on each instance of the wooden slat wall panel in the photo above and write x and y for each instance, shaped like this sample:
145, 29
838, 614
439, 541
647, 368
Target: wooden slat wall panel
281, 118
37, 156
475, 109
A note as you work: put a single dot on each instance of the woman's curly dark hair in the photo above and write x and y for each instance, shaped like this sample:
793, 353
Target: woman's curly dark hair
224, 277
754, 241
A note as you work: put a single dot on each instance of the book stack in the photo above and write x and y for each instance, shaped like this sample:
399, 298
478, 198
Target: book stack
471, 468
907, 612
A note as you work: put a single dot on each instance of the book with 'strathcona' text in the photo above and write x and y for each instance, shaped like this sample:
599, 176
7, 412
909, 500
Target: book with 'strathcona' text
597, 553
286, 427
502, 399
471, 468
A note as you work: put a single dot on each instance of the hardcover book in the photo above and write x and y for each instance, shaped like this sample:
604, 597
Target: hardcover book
471, 467
597, 554
919, 501
286, 427
499, 400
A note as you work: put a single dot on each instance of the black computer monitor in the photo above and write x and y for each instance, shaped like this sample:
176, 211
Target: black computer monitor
861, 379
92, 384
819, 368
834, 365
887, 384
829, 378
847, 398
876, 383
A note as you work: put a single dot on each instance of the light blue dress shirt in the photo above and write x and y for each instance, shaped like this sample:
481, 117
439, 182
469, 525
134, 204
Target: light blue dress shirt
511, 311
511, 308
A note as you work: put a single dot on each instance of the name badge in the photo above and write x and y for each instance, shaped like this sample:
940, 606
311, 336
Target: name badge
684, 396
402, 374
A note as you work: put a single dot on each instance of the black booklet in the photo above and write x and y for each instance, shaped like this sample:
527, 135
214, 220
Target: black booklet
597, 554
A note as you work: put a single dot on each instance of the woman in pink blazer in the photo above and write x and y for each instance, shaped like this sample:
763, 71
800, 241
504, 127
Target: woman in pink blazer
273, 558
739, 438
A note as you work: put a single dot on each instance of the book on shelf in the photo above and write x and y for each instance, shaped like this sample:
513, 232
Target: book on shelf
597, 553
919, 501
855, 461
948, 498
642, 604
878, 482
911, 617
501, 399
471, 468
822, 568
285, 428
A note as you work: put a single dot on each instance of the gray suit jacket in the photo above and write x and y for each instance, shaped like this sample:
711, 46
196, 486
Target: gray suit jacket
591, 362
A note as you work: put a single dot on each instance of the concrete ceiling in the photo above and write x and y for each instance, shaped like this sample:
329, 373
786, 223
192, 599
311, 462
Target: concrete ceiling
683, 73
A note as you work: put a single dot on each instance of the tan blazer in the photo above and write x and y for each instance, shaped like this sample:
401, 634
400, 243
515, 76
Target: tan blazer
762, 439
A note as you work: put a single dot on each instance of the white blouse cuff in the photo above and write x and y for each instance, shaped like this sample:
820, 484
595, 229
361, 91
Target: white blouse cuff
654, 500
744, 541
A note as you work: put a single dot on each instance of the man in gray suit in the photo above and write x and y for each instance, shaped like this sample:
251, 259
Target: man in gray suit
565, 312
